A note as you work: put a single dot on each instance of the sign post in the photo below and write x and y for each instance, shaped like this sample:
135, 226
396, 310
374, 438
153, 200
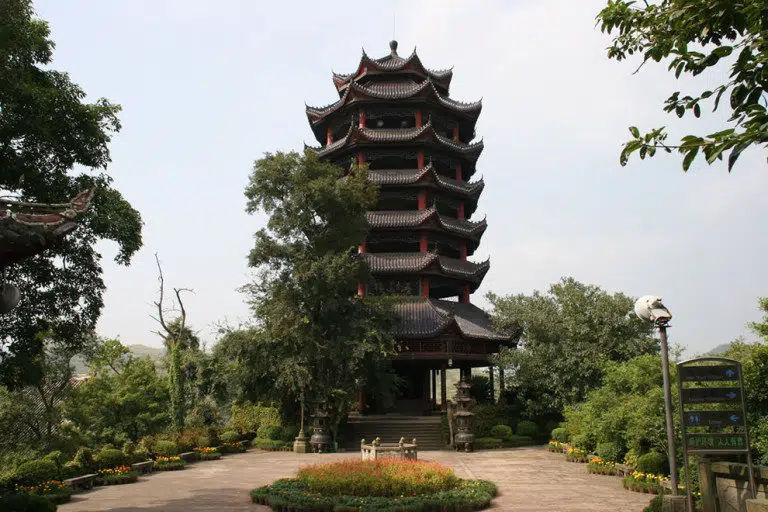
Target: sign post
716, 412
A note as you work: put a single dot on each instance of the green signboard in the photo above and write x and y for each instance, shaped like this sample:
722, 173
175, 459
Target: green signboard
715, 419
709, 373
716, 442
711, 395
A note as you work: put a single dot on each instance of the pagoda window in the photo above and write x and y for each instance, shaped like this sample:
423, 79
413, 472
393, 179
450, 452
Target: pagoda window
393, 160
390, 121
394, 287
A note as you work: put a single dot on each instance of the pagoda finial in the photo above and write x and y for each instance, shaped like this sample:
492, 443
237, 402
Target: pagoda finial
393, 46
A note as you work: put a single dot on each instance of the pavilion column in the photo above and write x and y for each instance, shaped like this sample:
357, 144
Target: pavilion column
422, 200
423, 242
443, 385
465, 294
434, 388
460, 211
328, 136
459, 176
490, 382
362, 119
419, 122
361, 402
425, 287
501, 382
455, 134
463, 251
420, 159
362, 249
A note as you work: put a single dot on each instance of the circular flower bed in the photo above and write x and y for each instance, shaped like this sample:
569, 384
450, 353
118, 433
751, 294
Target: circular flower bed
207, 454
117, 476
380, 485
168, 464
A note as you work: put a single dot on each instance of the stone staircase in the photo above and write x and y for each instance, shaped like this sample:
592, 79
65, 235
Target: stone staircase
391, 427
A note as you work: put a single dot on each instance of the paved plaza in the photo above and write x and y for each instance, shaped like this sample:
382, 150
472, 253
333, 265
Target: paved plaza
529, 480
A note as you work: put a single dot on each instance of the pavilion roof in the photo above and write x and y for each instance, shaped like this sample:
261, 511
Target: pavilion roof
417, 262
416, 218
412, 176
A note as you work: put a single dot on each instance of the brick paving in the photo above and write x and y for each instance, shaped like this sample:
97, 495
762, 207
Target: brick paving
529, 480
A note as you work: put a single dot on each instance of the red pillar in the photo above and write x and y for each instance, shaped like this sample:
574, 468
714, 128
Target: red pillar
456, 134
361, 285
328, 136
361, 404
360, 159
463, 251
420, 159
362, 119
423, 243
465, 295
425, 287
418, 119
443, 400
460, 211
459, 177
422, 199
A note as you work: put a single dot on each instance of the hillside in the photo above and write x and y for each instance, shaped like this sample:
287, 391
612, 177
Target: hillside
156, 354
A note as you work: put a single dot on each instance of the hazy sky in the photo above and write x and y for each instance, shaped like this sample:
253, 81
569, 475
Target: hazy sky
208, 87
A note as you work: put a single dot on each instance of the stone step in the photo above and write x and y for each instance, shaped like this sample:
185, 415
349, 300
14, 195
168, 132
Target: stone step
391, 427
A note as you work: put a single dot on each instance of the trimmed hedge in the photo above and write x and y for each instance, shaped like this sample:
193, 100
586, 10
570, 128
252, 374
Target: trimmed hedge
501, 432
84, 459
560, 435
289, 494
527, 428
270, 445
652, 463
26, 503
110, 458
486, 443
230, 436
166, 448
35, 472
269, 432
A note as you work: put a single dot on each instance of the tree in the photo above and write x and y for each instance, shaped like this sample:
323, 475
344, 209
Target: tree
315, 340
698, 35
124, 398
569, 335
177, 337
761, 328
45, 131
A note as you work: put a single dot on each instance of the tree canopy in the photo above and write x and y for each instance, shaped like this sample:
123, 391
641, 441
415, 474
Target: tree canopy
696, 36
314, 339
569, 335
46, 130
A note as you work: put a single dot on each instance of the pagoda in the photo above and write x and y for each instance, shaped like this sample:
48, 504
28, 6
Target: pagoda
396, 116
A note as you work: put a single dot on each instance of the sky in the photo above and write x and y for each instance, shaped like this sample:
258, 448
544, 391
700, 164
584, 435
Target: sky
209, 87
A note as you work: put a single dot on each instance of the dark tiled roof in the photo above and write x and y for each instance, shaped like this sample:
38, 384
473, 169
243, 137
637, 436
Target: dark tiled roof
413, 218
29, 228
399, 135
400, 262
421, 318
394, 91
410, 176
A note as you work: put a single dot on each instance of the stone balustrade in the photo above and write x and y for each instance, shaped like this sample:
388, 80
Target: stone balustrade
379, 450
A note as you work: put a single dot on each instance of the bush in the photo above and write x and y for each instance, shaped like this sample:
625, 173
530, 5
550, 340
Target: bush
70, 470
582, 442
110, 458
652, 463
248, 417
608, 452
57, 458
230, 436
656, 504
560, 435
269, 444
36, 472
501, 432
147, 444
289, 433
486, 417
485, 443
203, 441
26, 503
269, 432
166, 448
129, 448
514, 441
527, 428
84, 459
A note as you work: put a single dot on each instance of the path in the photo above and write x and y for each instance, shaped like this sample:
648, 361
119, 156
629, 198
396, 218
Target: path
529, 480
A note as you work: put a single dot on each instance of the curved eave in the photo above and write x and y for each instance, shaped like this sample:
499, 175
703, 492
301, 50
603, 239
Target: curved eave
426, 263
397, 219
410, 64
425, 134
428, 318
393, 178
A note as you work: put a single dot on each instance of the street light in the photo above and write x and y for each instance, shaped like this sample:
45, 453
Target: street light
650, 308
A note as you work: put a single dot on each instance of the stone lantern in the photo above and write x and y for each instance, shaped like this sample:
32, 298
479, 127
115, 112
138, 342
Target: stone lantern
464, 417
321, 432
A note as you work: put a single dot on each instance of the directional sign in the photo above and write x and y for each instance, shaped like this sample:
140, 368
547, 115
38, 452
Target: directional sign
716, 419
710, 395
709, 373
716, 442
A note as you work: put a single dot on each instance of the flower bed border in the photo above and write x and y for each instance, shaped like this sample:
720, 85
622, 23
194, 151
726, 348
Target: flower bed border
287, 495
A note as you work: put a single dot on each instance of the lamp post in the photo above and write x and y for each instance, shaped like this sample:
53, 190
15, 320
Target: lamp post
650, 308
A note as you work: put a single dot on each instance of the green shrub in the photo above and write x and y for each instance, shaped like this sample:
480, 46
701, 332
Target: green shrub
269, 444
560, 435
84, 459
486, 417
269, 432
230, 436
129, 448
166, 448
514, 441
288, 433
656, 504
484, 443
609, 452
550, 426
147, 444
36, 471
26, 503
203, 441
501, 431
527, 428
57, 458
652, 463
70, 470
582, 442
248, 417
110, 458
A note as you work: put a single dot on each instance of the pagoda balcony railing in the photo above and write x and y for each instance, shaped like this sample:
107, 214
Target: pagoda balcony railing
443, 347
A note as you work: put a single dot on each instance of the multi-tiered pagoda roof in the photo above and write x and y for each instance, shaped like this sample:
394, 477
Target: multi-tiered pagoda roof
396, 117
